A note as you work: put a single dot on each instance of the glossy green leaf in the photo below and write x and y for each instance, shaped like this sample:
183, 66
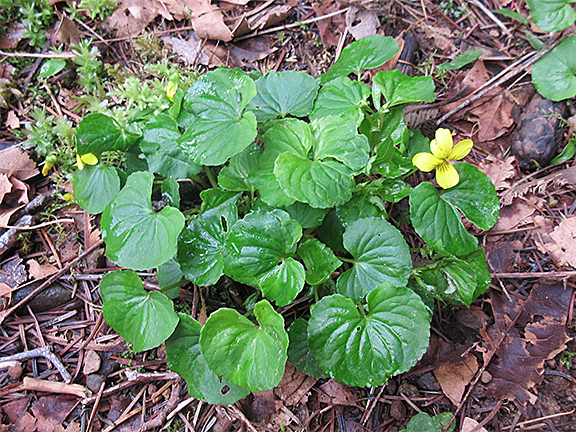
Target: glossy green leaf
555, 73
319, 260
392, 190
289, 135
201, 243
220, 126
438, 222
365, 349
163, 154
461, 60
95, 187
362, 205
341, 97
299, 350
331, 232
270, 191
380, 254
136, 236
550, 15
236, 175
306, 216
51, 67
184, 357
366, 53
170, 274
567, 153
514, 15
283, 93
257, 253
145, 319
251, 356
398, 88
390, 162
171, 192
97, 133
422, 422
475, 196
455, 280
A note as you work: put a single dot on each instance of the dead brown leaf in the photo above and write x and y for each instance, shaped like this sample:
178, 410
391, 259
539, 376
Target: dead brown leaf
499, 171
5, 186
14, 35
502, 256
51, 411
208, 22
514, 215
335, 393
15, 162
40, 271
558, 242
330, 29
361, 22
294, 387
67, 32
493, 116
12, 120
469, 425
454, 371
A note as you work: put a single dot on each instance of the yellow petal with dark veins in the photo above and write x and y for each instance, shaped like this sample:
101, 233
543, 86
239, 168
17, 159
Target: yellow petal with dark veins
425, 161
446, 175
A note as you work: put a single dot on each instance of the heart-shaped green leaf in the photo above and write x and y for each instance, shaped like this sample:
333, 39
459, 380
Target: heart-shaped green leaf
170, 274
555, 73
251, 356
380, 255
398, 88
550, 15
145, 319
363, 204
283, 93
95, 187
319, 260
257, 251
438, 222
341, 97
299, 350
162, 152
201, 244
475, 196
364, 349
171, 192
306, 216
422, 422
236, 175
97, 133
184, 357
220, 126
136, 236
366, 53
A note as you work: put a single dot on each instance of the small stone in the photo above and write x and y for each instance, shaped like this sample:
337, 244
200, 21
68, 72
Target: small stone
94, 382
92, 362
398, 410
486, 377
409, 390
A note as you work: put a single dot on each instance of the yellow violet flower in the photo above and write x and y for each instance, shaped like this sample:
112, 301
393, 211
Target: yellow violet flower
68, 197
443, 150
88, 159
49, 163
171, 90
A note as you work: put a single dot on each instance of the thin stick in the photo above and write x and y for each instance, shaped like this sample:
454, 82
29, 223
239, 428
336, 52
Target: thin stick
41, 352
49, 55
54, 387
95, 407
543, 275
409, 402
33, 227
240, 416
491, 16
51, 279
527, 422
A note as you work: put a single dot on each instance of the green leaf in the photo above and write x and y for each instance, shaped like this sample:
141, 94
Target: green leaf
390, 162
555, 73
422, 422
306, 216
321, 184
398, 88
362, 205
341, 97
162, 152
269, 188
438, 222
567, 153
257, 253
97, 133
51, 67
171, 192
380, 255
455, 280
220, 127
184, 357
366, 53
514, 15
283, 93
251, 356
95, 187
288, 135
136, 236
475, 196
145, 319
236, 175
461, 60
201, 244
392, 190
299, 350
169, 273
550, 15
319, 260
365, 349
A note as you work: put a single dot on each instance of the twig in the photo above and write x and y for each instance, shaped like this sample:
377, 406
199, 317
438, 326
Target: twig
409, 402
172, 402
240, 416
33, 227
41, 352
51, 279
95, 407
543, 275
490, 15
527, 422
289, 26
54, 387
49, 55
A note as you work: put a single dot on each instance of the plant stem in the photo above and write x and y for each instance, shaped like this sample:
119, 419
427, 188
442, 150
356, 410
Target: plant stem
211, 177
174, 285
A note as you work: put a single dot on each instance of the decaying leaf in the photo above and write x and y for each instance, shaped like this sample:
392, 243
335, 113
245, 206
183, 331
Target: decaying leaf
361, 22
330, 29
516, 358
455, 370
294, 387
15, 162
514, 215
500, 171
40, 271
560, 241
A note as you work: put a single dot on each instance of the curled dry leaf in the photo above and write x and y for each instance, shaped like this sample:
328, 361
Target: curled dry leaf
500, 171
558, 242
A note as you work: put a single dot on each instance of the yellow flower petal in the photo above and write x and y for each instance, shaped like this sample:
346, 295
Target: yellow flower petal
79, 162
446, 175
442, 145
46, 169
461, 150
68, 197
425, 161
171, 90
89, 159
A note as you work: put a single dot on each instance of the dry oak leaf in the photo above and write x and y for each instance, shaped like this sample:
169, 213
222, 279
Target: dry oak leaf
15, 162
493, 116
499, 171
294, 387
560, 242
40, 271
454, 371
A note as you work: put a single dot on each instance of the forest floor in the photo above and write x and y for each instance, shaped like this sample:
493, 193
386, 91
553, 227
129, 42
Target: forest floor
508, 363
